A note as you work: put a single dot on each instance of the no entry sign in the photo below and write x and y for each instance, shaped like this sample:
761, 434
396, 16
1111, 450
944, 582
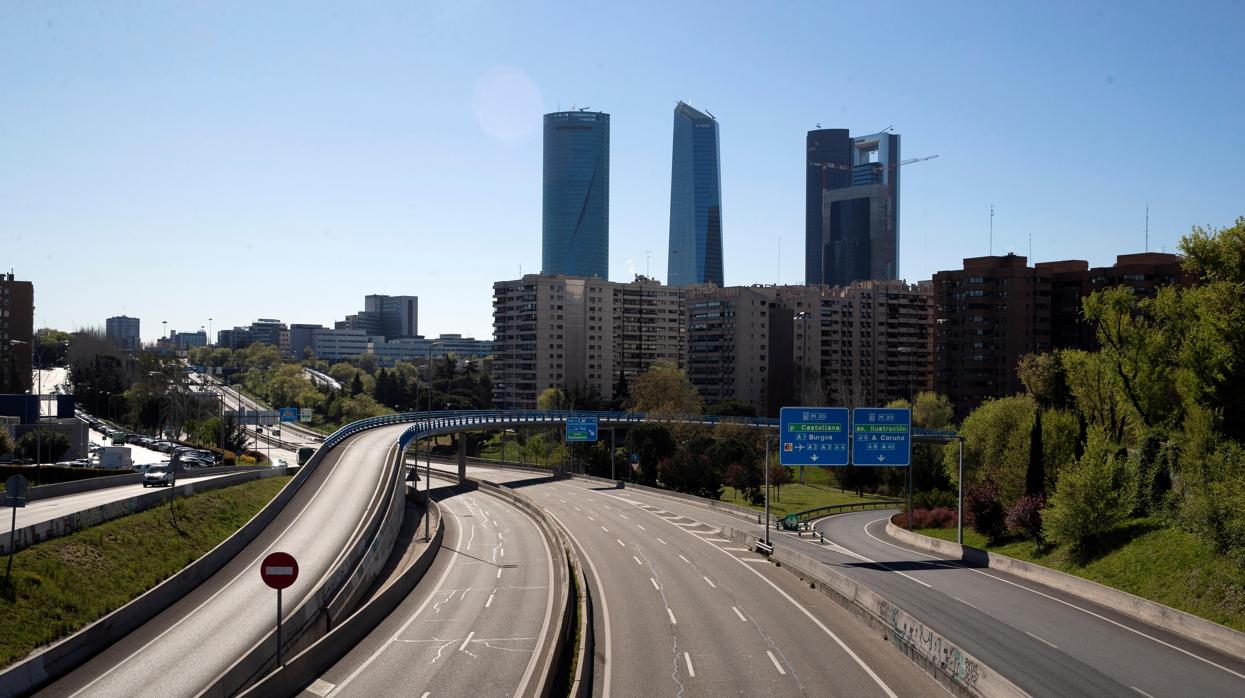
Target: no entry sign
279, 570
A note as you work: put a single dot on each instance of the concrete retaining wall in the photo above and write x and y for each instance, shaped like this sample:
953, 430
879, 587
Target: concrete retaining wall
1200, 630
301, 670
64, 525
356, 569
951, 666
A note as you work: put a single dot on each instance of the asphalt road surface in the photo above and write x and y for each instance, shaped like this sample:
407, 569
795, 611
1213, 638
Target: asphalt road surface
476, 622
680, 611
181, 651
1048, 642
54, 507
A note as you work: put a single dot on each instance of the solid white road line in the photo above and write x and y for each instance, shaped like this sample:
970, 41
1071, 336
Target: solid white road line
671, 614
777, 666
605, 609
1147, 695
467, 640
965, 602
1045, 642
739, 613
687, 658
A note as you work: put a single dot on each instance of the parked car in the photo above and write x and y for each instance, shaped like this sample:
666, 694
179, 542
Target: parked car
159, 475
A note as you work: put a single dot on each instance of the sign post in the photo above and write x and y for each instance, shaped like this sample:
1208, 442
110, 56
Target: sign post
279, 570
883, 436
15, 490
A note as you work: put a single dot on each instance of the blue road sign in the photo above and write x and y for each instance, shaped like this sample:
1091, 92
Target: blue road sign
881, 436
288, 414
581, 429
813, 436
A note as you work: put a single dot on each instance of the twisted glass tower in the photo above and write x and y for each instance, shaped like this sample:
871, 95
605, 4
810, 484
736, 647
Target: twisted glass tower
575, 225
695, 200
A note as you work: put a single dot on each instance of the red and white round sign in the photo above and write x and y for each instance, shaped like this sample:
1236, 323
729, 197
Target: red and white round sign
279, 570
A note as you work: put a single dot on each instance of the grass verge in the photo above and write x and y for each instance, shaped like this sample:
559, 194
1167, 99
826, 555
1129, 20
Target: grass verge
1160, 563
820, 489
55, 588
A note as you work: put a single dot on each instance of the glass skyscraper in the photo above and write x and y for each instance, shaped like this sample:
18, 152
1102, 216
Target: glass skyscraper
575, 225
852, 207
695, 200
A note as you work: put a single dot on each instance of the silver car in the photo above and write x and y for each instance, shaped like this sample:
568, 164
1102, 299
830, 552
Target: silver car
158, 476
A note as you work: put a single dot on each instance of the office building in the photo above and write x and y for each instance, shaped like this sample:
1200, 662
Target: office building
302, 339
235, 338
851, 207
17, 334
123, 332
695, 253
267, 331
182, 341
417, 349
739, 347
576, 200
392, 317
340, 345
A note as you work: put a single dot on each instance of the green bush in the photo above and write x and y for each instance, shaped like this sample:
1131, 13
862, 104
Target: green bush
1094, 496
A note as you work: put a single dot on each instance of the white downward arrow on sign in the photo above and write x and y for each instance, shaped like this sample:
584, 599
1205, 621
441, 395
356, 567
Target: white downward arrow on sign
814, 457
881, 457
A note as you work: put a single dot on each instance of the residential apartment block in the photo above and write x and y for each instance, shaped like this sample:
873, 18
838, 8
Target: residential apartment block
17, 333
997, 309
739, 347
123, 332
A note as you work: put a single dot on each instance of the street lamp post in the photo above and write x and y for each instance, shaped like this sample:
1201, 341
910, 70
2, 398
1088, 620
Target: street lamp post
428, 455
767, 438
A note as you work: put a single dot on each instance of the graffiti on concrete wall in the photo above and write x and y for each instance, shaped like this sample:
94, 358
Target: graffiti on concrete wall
911, 635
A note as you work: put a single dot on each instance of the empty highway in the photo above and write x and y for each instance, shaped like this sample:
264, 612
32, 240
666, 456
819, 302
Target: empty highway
181, 651
680, 611
478, 621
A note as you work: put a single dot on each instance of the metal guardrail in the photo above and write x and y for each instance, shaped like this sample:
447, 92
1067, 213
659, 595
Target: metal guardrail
818, 512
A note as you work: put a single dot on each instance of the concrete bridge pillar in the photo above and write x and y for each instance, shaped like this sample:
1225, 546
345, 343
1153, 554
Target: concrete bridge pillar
462, 458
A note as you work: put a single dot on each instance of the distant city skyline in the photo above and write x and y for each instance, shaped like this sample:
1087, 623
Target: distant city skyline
181, 162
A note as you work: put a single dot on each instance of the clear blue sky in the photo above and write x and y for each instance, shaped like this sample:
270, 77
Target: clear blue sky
179, 161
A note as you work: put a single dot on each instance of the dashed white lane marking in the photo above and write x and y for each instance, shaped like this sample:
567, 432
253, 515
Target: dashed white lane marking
1035, 637
685, 559
490, 599
687, 658
499, 573
605, 529
641, 527
562, 500
625, 516
753, 559
661, 541
637, 560
322, 688
739, 613
709, 582
654, 581
578, 509
426, 694
620, 542
590, 518
738, 550
466, 640
671, 614
965, 602
777, 666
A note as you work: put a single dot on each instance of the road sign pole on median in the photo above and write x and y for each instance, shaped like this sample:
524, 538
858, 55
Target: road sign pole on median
15, 491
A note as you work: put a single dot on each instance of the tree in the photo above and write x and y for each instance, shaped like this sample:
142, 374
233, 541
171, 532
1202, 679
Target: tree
779, 475
1044, 378
652, 443
664, 390
1216, 254
234, 436
356, 385
44, 445
996, 445
6, 442
551, 399
731, 408
1093, 497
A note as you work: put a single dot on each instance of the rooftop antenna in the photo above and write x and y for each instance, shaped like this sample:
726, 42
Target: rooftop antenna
1147, 227
991, 229
779, 283
1030, 246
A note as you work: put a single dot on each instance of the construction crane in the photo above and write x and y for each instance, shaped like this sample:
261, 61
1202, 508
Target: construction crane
848, 168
